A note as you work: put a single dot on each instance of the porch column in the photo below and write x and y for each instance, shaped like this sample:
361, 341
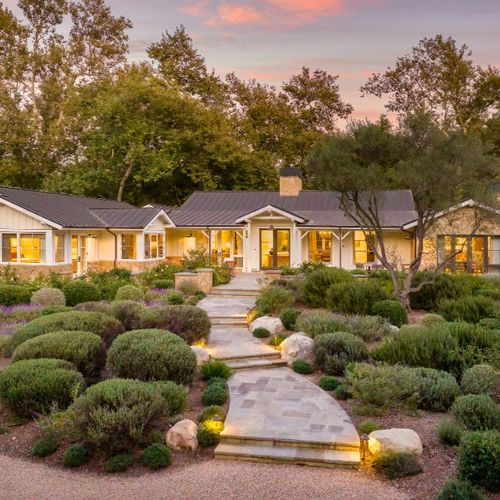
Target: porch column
49, 247
295, 247
247, 248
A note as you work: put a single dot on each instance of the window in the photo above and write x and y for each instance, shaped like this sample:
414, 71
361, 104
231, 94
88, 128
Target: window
468, 254
320, 246
362, 253
59, 242
154, 246
129, 247
494, 251
9, 247
32, 248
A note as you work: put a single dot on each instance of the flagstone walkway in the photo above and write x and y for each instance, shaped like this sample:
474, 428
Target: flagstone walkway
274, 414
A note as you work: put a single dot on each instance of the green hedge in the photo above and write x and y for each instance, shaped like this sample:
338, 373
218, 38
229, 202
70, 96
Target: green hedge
470, 309
127, 312
85, 350
108, 282
39, 385
437, 389
11, 295
152, 355
319, 281
77, 291
117, 414
288, 318
391, 310
48, 297
481, 379
477, 412
273, 300
189, 322
130, 292
355, 298
105, 326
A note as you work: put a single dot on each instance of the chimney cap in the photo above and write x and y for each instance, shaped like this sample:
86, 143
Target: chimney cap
291, 172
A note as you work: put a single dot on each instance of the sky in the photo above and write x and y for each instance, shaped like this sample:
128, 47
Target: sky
270, 40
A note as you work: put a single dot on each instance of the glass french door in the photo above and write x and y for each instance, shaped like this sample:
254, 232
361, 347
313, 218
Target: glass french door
274, 248
79, 254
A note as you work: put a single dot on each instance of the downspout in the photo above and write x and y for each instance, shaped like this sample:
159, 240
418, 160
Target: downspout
115, 260
340, 248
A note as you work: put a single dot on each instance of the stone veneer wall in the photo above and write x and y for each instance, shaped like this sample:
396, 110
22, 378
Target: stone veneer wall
31, 271
202, 278
133, 266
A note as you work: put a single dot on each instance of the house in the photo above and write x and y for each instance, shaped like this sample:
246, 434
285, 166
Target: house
247, 230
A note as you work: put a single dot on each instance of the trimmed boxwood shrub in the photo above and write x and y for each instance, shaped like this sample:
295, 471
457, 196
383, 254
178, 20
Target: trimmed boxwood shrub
119, 413
392, 310
45, 446
368, 426
105, 326
215, 369
214, 394
108, 282
481, 379
334, 351
46, 311
354, 298
430, 320
454, 489
152, 355
100, 306
396, 465
302, 367
119, 463
174, 394
479, 460
189, 322
85, 350
209, 433
76, 456
162, 284
328, 383
127, 312
48, 297
156, 456
211, 413
261, 333
470, 309
174, 298
320, 280
449, 432
129, 292
77, 291
39, 385
437, 389
288, 318
273, 300
477, 412
342, 393
14, 294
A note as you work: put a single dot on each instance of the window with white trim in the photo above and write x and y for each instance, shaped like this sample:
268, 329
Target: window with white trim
154, 246
129, 247
59, 247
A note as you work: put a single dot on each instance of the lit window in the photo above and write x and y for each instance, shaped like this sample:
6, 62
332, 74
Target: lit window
362, 253
153, 246
161, 245
320, 246
59, 242
129, 248
32, 248
9, 247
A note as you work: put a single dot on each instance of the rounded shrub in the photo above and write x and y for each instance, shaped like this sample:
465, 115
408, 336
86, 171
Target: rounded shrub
454, 489
470, 309
105, 326
449, 432
301, 366
476, 412
100, 306
261, 333
189, 322
175, 395
479, 460
11, 295
396, 465
355, 298
273, 300
129, 292
152, 355
391, 310
76, 456
288, 318
214, 394
189, 288
174, 298
437, 389
328, 383
481, 379
46, 311
118, 413
127, 312
431, 319
490, 323
334, 351
367, 426
77, 291
320, 280
119, 463
276, 340
162, 284
213, 412
156, 456
48, 297
45, 446
215, 369
342, 393
209, 433
85, 350
39, 385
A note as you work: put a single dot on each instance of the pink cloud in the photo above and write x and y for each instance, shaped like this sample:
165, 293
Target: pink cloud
235, 14
197, 9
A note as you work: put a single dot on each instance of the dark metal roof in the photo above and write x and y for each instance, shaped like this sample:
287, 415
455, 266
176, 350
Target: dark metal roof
319, 208
78, 211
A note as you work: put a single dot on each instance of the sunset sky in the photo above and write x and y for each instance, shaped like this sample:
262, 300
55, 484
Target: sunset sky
271, 39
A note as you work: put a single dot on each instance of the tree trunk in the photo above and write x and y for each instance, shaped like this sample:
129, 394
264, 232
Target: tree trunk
123, 181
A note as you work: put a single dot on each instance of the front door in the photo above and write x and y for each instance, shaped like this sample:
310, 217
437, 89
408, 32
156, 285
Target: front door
79, 254
274, 248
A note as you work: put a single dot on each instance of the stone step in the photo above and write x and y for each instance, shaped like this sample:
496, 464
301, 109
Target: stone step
234, 293
286, 454
227, 321
246, 357
249, 364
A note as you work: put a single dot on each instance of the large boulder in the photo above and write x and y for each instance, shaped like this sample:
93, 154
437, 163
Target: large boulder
182, 436
395, 440
201, 354
297, 346
274, 325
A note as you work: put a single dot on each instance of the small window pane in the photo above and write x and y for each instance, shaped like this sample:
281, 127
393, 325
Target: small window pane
161, 245
9, 248
59, 242
362, 253
147, 246
129, 247
32, 248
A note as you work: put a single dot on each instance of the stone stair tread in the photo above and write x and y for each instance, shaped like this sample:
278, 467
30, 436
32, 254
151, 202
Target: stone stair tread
297, 455
255, 363
249, 357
